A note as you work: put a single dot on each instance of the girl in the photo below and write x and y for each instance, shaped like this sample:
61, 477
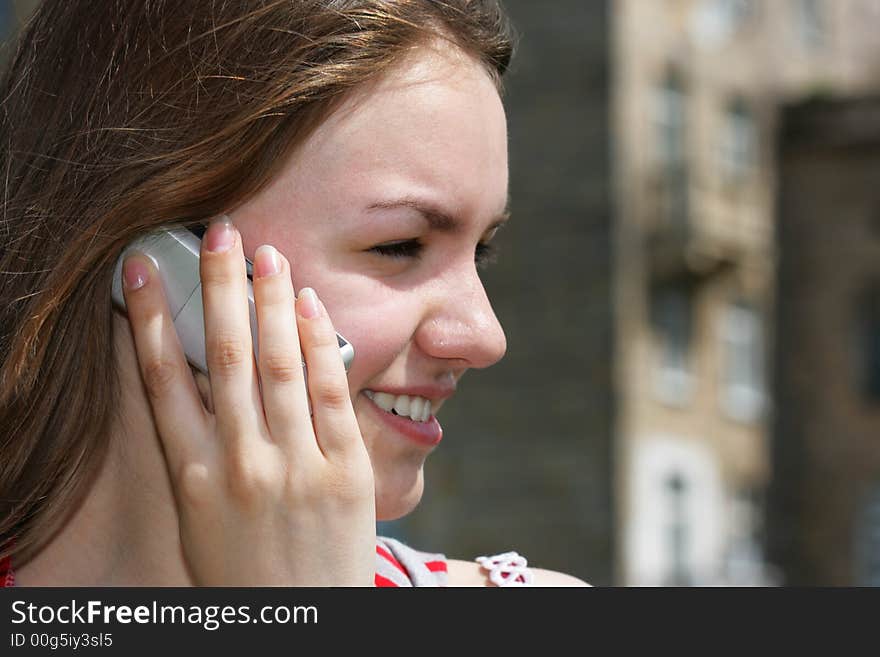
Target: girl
355, 151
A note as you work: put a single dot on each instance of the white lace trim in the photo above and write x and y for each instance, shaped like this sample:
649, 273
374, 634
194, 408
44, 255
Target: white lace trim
507, 569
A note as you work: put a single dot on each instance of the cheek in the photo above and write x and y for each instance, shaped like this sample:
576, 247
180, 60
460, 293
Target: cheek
378, 321
378, 344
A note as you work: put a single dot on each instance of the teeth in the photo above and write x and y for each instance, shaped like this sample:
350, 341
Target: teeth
417, 409
416, 406
403, 406
384, 401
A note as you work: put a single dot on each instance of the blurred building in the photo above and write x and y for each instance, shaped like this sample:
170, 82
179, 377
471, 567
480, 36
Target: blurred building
824, 502
697, 87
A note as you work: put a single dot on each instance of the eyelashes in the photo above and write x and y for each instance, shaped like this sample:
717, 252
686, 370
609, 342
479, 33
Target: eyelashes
404, 249
484, 255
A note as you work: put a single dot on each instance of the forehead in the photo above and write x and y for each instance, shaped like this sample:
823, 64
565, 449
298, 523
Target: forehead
435, 121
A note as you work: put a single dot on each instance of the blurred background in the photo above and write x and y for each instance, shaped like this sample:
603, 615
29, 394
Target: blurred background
690, 287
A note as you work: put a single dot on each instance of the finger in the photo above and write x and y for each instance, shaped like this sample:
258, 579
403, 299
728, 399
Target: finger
177, 408
279, 360
336, 426
228, 342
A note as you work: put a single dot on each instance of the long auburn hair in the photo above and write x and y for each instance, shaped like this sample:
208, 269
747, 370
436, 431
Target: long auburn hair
117, 117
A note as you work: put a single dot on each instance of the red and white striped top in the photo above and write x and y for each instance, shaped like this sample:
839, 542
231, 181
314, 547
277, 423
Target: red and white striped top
398, 564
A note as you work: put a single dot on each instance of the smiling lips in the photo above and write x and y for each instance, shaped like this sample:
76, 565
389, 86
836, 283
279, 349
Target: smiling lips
410, 415
416, 408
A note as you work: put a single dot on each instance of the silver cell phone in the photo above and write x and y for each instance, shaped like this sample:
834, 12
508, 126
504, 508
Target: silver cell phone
175, 252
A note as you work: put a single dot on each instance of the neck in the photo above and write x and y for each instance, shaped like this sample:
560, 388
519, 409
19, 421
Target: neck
125, 532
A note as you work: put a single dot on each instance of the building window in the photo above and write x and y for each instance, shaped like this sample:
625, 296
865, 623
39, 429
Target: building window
672, 319
738, 148
809, 20
714, 22
678, 531
675, 527
671, 150
742, 385
868, 343
669, 121
744, 561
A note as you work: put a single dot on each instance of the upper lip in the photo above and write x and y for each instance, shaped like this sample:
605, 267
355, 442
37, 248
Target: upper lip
432, 392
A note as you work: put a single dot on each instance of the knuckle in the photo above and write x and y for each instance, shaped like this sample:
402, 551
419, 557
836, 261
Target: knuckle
159, 375
322, 337
195, 485
227, 353
248, 485
330, 394
280, 367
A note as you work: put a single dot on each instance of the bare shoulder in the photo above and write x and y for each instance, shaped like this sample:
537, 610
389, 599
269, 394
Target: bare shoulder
469, 573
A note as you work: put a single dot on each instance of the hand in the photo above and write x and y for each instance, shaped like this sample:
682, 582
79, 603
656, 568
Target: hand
266, 493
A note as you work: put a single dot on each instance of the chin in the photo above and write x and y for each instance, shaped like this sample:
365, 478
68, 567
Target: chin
398, 495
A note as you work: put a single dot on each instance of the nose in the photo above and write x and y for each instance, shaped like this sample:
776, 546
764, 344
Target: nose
460, 324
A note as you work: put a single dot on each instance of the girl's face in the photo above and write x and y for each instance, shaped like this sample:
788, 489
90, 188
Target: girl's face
385, 211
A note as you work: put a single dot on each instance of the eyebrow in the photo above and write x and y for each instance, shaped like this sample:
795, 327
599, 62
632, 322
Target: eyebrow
437, 219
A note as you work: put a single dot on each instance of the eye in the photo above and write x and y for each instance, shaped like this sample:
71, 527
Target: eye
401, 249
485, 255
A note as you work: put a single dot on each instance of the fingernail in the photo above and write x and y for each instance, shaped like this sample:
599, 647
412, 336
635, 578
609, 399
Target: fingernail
135, 273
267, 262
309, 307
220, 235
